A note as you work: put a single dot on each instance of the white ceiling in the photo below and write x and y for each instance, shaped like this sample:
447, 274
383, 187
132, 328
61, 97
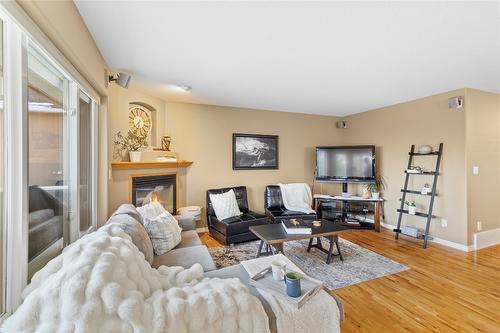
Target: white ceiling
333, 58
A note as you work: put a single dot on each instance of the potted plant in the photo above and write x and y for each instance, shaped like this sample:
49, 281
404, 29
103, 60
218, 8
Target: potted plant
377, 186
132, 142
412, 207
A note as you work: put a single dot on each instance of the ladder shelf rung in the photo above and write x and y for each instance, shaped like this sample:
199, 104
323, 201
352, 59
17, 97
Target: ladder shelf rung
430, 173
405, 211
417, 192
422, 154
421, 237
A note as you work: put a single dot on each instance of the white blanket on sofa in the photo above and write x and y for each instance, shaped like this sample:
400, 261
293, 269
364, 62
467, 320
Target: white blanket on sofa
102, 283
320, 314
297, 197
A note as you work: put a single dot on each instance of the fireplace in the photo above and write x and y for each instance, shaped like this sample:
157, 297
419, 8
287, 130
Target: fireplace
149, 188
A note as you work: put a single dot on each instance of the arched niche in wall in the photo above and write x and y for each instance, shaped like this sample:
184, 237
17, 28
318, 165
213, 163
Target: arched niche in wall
153, 135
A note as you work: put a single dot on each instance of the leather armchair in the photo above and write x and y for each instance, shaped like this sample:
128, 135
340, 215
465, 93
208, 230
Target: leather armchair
275, 209
233, 229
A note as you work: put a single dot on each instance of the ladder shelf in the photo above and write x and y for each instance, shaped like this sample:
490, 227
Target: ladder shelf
432, 194
416, 192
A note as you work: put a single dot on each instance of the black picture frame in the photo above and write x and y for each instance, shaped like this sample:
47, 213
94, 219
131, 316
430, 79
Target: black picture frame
261, 152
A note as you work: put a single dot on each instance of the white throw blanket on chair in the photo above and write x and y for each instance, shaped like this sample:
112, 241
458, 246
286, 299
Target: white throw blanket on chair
102, 284
297, 197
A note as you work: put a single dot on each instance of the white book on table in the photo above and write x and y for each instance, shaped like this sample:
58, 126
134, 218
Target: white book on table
297, 231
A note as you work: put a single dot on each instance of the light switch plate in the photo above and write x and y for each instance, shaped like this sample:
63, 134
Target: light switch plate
475, 170
444, 223
479, 225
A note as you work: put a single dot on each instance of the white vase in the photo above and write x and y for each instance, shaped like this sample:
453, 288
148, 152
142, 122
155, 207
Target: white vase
412, 210
135, 156
376, 195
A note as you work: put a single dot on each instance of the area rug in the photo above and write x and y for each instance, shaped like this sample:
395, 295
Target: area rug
359, 264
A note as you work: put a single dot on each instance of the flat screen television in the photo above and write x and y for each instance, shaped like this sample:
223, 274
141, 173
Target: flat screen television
345, 164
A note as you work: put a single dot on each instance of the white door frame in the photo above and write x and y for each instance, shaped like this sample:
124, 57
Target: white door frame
16, 121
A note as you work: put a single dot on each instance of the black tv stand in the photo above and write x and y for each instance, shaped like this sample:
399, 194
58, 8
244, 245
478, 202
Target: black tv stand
319, 199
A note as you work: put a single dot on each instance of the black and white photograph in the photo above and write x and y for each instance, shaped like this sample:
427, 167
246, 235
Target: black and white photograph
254, 151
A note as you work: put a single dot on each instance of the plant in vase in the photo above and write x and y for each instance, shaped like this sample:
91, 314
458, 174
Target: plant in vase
426, 189
412, 207
377, 186
132, 142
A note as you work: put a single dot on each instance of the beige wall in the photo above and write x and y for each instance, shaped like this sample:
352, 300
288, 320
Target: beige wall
119, 100
483, 150
203, 134
393, 130
118, 104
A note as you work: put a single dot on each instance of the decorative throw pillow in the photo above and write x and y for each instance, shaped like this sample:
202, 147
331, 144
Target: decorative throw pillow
225, 205
164, 232
151, 210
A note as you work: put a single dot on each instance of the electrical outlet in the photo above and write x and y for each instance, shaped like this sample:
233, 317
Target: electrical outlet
475, 170
444, 223
479, 225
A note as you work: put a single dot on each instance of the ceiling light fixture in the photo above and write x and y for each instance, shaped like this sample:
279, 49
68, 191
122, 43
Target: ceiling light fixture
184, 88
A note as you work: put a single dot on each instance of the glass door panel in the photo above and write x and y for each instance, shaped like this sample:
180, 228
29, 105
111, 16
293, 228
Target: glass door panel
48, 191
85, 161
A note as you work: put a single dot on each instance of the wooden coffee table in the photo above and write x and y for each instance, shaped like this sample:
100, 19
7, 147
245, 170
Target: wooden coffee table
274, 236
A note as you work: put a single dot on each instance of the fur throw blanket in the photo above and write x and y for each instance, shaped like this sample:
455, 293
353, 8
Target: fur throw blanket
101, 283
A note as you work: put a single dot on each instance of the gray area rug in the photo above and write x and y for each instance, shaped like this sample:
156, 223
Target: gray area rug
359, 264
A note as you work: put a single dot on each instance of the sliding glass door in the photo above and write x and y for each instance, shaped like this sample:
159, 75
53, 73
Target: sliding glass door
48, 162
85, 146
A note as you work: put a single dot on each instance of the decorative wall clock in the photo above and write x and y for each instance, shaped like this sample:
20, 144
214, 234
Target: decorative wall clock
139, 120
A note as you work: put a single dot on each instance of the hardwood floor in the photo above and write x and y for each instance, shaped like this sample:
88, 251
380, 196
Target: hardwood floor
445, 290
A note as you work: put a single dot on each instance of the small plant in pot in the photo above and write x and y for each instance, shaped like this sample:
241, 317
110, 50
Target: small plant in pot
426, 189
133, 142
412, 207
377, 186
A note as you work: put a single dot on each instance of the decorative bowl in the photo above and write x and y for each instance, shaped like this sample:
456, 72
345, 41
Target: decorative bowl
425, 149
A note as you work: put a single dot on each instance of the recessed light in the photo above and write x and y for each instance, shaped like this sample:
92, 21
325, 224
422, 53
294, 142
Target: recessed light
182, 87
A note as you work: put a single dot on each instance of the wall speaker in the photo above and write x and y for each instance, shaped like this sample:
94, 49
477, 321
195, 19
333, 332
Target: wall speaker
455, 103
121, 79
341, 124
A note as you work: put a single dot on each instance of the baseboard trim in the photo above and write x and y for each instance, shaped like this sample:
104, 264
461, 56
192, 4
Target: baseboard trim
457, 246
486, 238
453, 245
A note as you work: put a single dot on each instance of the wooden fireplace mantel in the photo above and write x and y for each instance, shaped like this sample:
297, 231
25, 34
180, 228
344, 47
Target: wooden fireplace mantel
150, 165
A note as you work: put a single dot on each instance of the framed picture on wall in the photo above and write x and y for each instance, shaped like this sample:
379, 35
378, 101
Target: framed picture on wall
255, 151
